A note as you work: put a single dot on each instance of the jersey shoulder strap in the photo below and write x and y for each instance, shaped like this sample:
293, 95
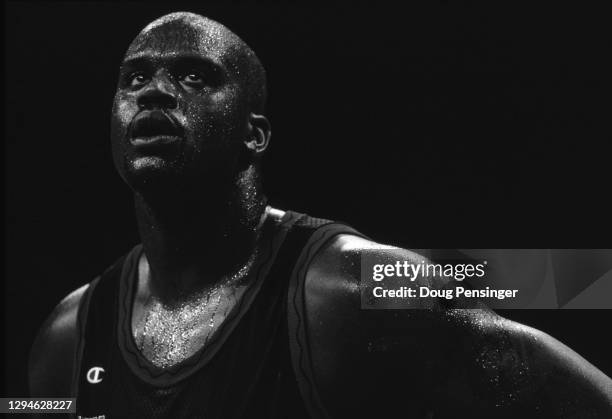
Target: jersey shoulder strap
315, 234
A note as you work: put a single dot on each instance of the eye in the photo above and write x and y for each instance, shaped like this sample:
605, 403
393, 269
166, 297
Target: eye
137, 80
192, 79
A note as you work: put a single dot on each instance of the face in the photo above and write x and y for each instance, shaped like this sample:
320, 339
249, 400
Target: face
180, 112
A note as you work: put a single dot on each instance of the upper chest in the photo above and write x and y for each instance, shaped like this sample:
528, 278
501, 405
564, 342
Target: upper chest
167, 335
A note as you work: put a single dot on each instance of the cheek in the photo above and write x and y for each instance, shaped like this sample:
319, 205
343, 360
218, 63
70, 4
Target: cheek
216, 119
121, 116
123, 112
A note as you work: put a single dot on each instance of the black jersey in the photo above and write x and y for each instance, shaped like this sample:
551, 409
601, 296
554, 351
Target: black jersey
257, 364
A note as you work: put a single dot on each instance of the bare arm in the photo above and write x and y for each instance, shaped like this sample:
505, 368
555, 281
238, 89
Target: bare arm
437, 361
54, 349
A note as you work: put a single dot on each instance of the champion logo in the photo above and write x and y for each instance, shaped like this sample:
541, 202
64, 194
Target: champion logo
94, 375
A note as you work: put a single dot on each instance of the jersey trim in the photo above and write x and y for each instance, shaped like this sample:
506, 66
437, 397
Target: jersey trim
149, 373
296, 315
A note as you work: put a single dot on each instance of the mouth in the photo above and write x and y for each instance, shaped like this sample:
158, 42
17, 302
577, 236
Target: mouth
154, 129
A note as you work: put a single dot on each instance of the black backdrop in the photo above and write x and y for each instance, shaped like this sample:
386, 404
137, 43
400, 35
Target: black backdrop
430, 127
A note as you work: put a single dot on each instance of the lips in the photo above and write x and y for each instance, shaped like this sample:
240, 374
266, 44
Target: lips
154, 128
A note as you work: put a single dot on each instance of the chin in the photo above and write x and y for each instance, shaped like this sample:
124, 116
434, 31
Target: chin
152, 174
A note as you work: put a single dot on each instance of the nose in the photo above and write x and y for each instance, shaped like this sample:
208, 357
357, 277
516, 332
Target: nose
158, 94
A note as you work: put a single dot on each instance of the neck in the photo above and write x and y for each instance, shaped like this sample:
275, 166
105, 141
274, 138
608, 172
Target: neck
195, 237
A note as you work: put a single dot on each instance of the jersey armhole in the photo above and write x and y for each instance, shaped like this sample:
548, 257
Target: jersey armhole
82, 314
296, 316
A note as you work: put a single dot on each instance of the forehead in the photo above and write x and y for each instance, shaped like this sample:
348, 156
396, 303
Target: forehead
171, 36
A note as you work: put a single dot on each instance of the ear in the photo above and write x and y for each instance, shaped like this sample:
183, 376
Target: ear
260, 132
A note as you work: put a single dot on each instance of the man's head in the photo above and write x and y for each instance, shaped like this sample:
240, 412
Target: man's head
188, 110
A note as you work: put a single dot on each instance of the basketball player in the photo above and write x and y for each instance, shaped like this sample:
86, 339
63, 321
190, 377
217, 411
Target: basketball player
231, 308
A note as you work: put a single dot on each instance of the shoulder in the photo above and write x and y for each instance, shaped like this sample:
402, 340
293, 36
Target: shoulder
54, 349
335, 270
339, 256
333, 284
357, 354
333, 277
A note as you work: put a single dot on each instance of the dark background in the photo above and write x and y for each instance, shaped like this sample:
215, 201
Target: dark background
432, 127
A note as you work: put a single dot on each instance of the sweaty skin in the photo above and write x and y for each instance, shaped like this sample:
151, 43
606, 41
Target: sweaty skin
188, 131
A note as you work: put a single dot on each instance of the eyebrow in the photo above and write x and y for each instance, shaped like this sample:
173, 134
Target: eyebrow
146, 58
